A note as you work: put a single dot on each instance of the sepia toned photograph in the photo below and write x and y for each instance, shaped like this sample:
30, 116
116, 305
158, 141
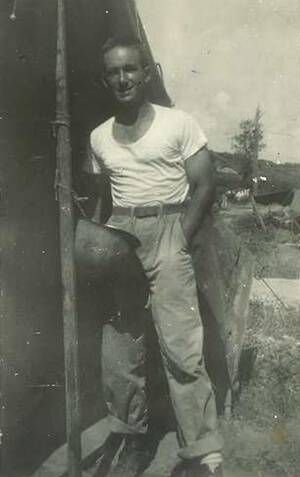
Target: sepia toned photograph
150, 238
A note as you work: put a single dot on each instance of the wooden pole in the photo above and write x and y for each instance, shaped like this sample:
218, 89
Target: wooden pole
64, 185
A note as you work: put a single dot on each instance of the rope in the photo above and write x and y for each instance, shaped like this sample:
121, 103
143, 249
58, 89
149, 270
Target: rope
61, 120
76, 198
285, 306
274, 293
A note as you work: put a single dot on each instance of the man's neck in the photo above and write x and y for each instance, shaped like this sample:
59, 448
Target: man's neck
130, 116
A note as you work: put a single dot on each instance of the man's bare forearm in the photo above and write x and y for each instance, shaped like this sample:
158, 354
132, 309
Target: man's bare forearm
201, 176
199, 205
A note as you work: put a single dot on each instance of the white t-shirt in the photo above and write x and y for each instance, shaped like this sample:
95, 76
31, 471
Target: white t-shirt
150, 170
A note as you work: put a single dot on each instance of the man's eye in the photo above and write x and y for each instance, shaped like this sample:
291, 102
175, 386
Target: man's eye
130, 69
112, 73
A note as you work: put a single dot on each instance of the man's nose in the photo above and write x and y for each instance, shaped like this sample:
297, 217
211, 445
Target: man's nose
122, 76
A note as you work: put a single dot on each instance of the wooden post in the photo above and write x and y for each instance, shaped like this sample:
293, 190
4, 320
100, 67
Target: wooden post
64, 185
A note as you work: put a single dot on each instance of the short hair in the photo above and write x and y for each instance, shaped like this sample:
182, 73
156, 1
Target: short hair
127, 42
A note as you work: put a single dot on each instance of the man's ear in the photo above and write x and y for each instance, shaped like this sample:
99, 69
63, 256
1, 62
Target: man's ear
147, 73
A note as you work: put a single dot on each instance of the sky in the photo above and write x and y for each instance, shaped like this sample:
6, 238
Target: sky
222, 59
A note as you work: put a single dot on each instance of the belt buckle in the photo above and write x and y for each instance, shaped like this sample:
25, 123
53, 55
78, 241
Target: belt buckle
150, 211
147, 212
137, 212
158, 210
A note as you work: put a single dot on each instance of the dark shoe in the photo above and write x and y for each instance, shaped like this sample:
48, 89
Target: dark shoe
204, 471
193, 468
134, 458
182, 469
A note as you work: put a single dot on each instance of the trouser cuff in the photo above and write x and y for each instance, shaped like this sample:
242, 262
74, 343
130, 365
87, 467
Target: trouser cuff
212, 442
121, 427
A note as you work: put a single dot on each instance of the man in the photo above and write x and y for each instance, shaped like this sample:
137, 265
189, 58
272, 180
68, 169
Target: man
162, 185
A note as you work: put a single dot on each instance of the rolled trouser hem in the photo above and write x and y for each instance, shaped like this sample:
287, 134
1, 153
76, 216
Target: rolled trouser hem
121, 427
210, 443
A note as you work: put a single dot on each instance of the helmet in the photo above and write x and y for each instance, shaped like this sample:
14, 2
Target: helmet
106, 254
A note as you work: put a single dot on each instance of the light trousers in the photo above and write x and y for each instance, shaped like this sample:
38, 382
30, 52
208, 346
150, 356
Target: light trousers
175, 313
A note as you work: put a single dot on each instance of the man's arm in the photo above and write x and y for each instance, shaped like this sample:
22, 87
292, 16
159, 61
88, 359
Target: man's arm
201, 177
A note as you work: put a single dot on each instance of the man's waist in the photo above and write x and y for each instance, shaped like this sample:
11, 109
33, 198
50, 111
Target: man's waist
149, 210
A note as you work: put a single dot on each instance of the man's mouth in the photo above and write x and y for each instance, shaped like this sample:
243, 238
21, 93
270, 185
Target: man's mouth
124, 92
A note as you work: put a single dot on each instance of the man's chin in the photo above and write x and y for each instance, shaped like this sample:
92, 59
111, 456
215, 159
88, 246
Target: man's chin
128, 101
125, 99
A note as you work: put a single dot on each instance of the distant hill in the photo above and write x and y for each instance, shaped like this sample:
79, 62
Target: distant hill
278, 176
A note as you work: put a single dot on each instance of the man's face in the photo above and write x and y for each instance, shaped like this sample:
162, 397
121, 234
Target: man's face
125, 74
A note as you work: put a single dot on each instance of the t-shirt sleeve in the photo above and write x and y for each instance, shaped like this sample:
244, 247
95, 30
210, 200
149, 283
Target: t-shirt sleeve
92, 164
191, 136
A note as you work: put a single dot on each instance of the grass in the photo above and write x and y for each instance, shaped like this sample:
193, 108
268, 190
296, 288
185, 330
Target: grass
264, 434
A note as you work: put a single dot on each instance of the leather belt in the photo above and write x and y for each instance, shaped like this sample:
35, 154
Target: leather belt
149, 211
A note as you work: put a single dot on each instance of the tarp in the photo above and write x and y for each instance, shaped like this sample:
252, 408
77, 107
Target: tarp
224, 271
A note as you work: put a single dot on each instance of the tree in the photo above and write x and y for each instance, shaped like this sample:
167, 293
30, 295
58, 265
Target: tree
250, 139
249, 142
